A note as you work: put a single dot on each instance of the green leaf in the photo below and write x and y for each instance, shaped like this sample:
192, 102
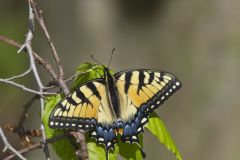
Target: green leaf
63, 147
131, 151
157, 128
97, 151
86, 72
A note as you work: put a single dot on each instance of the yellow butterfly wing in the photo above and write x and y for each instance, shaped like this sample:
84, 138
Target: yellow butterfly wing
87, 108
83, 108
140, 92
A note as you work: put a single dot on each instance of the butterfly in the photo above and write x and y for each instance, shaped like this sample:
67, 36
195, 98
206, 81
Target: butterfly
114, 105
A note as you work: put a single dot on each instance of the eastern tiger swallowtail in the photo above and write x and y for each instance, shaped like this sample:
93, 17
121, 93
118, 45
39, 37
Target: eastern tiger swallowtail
111, 105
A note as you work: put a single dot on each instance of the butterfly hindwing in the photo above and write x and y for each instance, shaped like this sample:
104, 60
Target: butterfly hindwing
79, 109
141, 92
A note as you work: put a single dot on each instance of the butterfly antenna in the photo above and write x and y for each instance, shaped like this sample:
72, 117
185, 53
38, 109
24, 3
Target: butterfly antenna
111, 56
94, 59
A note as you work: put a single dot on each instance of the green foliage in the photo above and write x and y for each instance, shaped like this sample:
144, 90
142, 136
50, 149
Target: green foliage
158, 129
97, 151
64, 148
86, 72
131, 152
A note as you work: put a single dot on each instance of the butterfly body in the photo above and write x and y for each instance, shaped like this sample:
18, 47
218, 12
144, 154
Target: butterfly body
115, 104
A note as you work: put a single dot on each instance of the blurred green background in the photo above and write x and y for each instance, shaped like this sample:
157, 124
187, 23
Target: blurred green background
198, 41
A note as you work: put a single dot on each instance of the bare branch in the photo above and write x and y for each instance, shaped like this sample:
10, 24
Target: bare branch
26, 108
25, 88
39, 59
32, 147
8, 146
36, 146
39, 17
20, 75
28, 46
60, 80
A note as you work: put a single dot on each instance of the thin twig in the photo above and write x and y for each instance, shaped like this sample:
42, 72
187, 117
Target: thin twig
60, 80
24, 150
26, 108
39, 17
20, 75
25, 88
39, 59
28, 46
36, 146
8, 146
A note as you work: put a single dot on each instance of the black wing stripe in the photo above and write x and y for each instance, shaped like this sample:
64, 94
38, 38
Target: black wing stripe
151, 78
93, 88
71, 101
81, 95
128, 76
141, 78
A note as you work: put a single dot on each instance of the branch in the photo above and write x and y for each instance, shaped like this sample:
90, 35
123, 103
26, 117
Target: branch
60, 80
39, 17
28, 46
8, 146
26, 108
39, 59
25, 88
36, 146
20, 75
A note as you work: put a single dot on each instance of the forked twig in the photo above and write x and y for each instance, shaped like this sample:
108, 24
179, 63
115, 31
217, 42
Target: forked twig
28, 46
36, 146
8, 146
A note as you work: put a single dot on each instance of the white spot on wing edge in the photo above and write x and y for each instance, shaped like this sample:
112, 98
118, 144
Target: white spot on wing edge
94, 133
51, 123
139, 129
177, 83
109, 144
101, 139
144, 120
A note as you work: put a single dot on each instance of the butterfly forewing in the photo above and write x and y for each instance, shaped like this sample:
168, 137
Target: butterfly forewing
140, 92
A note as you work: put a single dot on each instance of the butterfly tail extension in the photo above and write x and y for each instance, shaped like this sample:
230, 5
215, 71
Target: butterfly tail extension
133, 127
105, 135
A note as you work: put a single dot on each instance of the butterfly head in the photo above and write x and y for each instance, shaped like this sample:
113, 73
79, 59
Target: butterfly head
106, 72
